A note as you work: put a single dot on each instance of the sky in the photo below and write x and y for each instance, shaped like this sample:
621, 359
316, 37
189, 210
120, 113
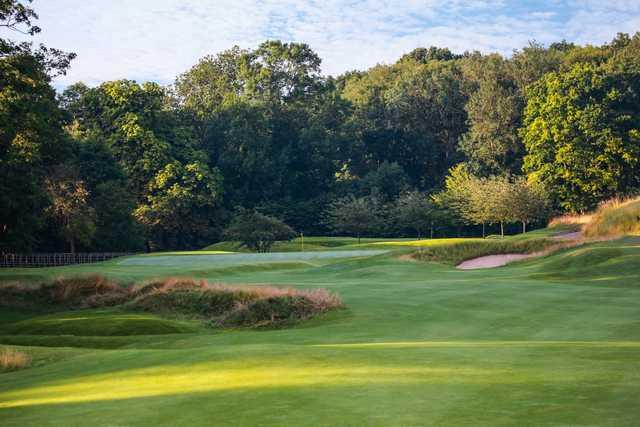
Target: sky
158, 39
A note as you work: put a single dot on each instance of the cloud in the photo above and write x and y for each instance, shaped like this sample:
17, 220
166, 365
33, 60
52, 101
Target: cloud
158, 39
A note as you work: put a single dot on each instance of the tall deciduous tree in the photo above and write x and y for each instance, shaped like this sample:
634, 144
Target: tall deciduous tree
582, 134
180, 204
409, 113
31, 137
492, 145
70, 207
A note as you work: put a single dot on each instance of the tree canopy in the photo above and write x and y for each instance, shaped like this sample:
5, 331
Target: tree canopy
457, 140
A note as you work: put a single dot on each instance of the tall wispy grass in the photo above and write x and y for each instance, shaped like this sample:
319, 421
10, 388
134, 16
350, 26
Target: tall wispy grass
615, 217
230, 305
11, 360
570, 219
219, 303
73, 292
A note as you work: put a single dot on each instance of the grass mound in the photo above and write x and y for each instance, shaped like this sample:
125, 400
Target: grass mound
98, 324
11, 360
458, 252
232, 305
218, 304
602, 262
615, 218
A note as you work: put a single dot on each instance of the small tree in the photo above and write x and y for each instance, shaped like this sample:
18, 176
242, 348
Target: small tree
457, 191
489, 200
495, 201
355, 215
528, 201
256, 231
416, 211
466, 196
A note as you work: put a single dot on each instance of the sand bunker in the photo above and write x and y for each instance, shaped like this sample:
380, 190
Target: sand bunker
491, 261
570, 238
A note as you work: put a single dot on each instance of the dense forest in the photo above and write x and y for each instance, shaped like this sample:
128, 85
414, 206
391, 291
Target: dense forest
140, 166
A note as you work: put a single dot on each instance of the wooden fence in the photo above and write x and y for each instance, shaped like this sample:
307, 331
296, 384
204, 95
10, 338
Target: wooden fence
54, 259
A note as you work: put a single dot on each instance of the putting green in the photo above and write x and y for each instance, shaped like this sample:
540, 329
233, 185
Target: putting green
554, 340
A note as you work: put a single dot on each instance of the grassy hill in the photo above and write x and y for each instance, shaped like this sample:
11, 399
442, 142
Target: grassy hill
615, 218
554, 341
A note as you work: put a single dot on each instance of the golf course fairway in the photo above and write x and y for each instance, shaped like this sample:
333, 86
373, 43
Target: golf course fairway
547, 341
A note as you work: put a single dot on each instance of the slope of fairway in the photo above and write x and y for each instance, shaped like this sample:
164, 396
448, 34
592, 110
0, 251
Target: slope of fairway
241, 259
98, 323
535, 343
311, 243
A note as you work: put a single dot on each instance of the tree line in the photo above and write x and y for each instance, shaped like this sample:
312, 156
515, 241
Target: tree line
435, 143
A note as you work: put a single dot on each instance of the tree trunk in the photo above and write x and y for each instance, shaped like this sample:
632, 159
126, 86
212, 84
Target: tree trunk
72, 246
431, 232
483, 231
524, 227
501, 230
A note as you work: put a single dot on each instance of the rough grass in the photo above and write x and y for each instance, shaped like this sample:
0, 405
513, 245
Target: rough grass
184, 297
11, 360
225, 305
570, 220
72, 293
458, 252
616, 217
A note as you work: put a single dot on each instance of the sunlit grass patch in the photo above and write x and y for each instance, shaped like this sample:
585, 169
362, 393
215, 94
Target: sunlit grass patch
207, 377
426, 243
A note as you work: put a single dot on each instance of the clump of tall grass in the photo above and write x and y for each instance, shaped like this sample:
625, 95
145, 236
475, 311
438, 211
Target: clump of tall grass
74, 292
217, 303
577, 220
226, 305
456, 253
11, 360
615, 217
